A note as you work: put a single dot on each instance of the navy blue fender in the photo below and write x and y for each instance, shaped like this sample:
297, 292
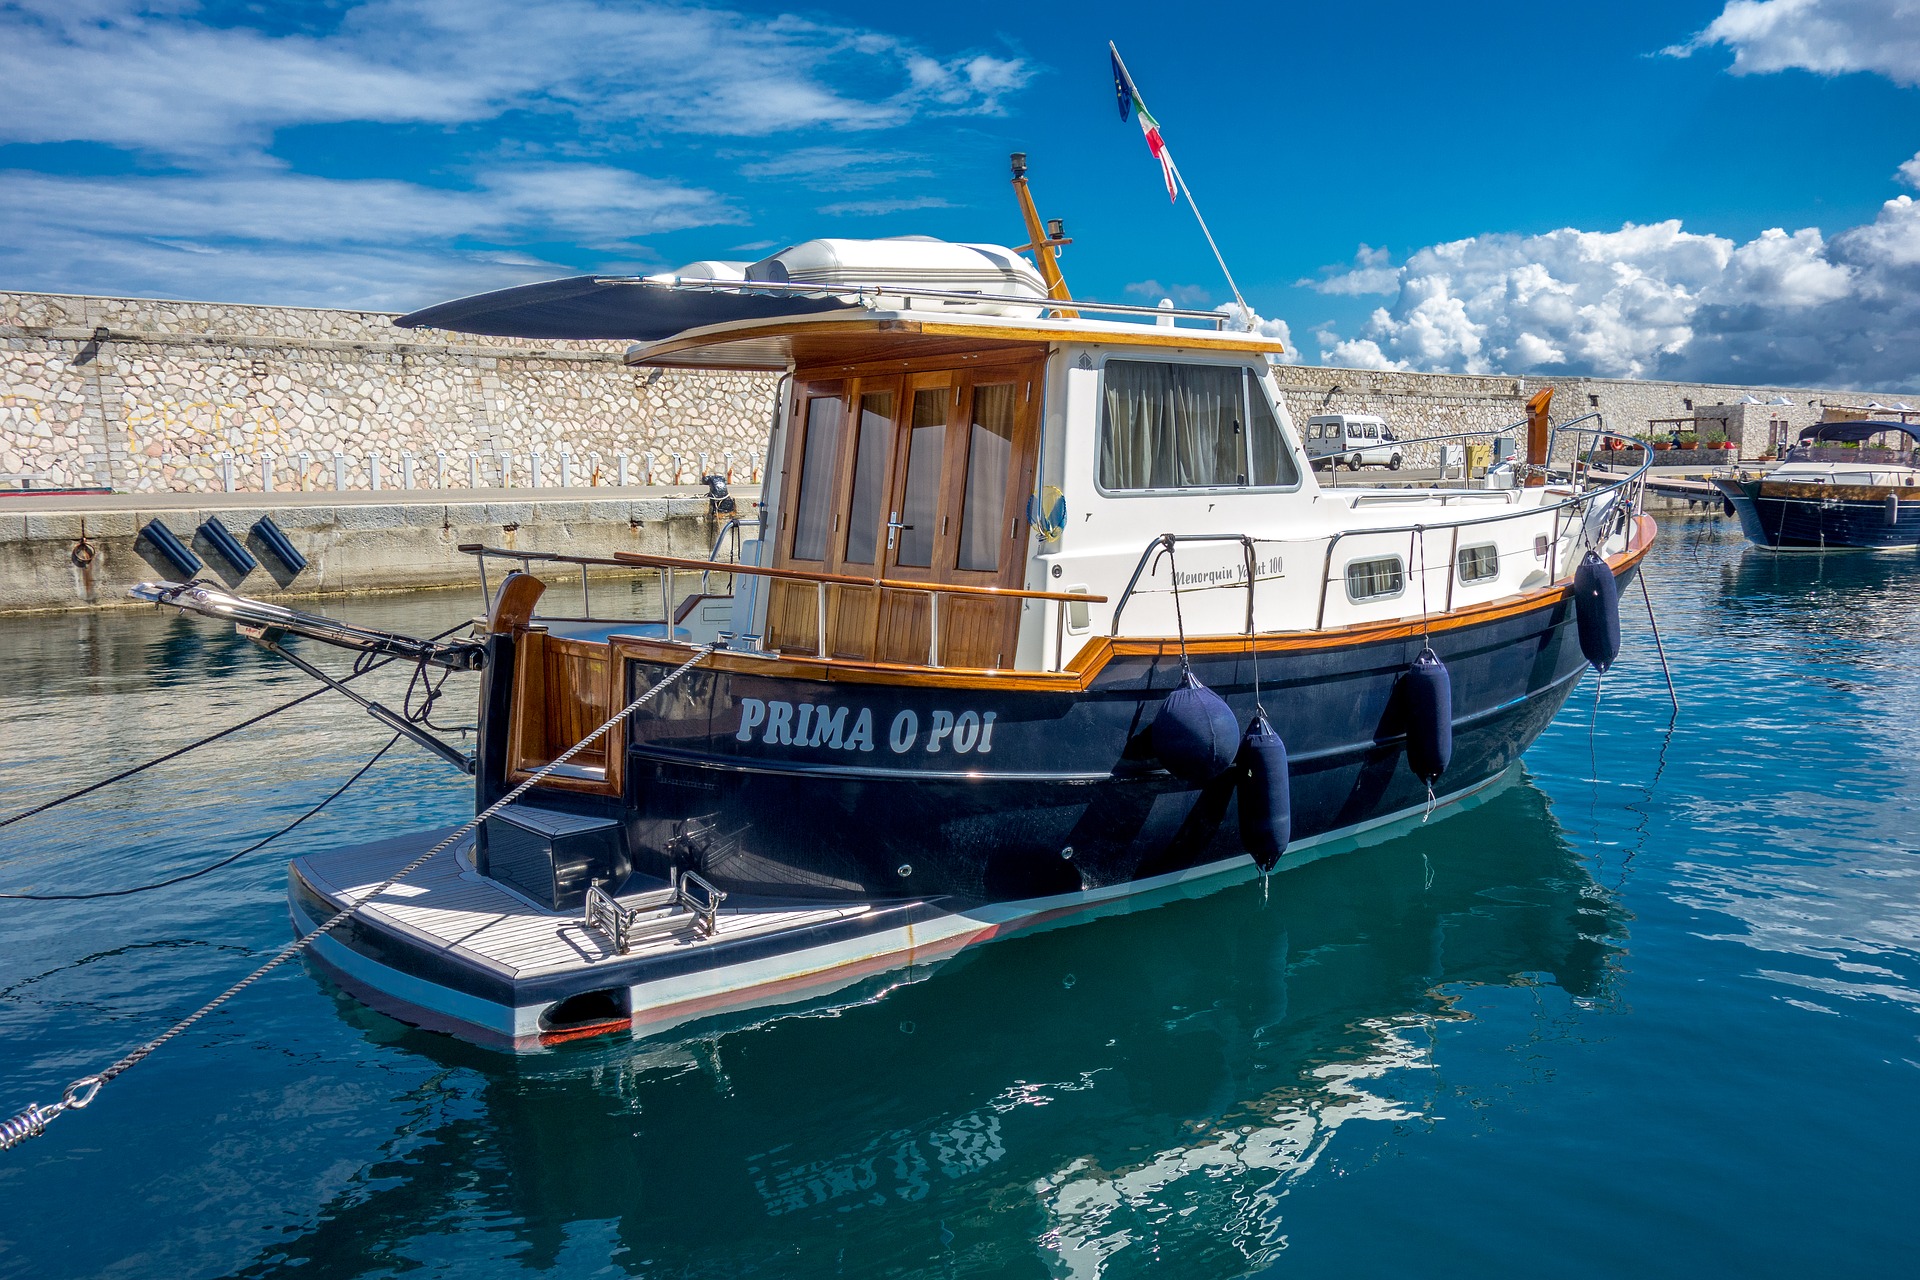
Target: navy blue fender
1266, 795
1195, 733
1596, 608
1429, 694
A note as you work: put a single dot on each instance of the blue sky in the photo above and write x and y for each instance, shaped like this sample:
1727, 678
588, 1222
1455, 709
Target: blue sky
1709, 189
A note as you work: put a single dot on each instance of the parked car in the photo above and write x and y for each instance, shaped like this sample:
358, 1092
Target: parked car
1357, 439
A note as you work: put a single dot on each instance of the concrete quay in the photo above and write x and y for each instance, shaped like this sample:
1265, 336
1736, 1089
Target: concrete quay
84, 551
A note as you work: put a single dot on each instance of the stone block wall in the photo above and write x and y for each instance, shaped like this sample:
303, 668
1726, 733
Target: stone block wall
148, 396
151, 397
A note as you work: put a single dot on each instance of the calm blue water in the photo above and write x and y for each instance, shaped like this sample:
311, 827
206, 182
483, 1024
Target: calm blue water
1649, 1010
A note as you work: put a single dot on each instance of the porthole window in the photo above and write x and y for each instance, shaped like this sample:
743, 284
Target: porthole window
1479, 564
1375, 579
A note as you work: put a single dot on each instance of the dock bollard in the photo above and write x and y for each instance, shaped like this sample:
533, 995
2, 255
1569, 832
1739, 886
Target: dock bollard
622, 470
339, 473
566, 469
266, 473
406, 470
439, 468
534, 478
373, 471
473, 471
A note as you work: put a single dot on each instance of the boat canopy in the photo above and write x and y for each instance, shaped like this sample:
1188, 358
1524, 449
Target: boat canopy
629, 308
1854, 432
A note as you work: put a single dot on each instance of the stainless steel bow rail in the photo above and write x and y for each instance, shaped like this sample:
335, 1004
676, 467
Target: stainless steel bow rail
32, 1121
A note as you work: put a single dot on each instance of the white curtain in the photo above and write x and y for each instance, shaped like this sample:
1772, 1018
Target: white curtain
1171, 426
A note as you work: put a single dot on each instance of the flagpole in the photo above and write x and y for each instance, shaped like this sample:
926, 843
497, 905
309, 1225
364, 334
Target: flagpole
1246, 312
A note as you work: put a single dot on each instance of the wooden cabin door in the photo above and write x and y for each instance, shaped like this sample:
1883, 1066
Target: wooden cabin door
914, 477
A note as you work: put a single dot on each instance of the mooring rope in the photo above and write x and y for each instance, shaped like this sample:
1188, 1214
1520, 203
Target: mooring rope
32, 1122
249, 722
211, 867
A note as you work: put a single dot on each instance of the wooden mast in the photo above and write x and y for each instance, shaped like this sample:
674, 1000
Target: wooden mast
1039, 243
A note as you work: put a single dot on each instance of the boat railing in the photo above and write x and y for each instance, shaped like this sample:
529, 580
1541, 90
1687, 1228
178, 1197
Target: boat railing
871, 294
1624, 494
669, 566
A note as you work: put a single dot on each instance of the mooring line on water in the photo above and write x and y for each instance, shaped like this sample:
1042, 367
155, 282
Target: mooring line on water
77, 1096
1658, 647
211, 867
175, 754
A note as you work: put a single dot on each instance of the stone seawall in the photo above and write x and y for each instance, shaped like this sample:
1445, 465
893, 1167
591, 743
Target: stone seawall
75, 553
186, 397
156, 397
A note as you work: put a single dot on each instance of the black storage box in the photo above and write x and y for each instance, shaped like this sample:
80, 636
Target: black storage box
551, 856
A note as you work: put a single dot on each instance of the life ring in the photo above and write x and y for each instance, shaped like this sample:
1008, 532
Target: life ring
83, 553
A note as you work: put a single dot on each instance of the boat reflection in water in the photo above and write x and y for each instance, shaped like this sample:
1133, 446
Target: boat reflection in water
1159, 1079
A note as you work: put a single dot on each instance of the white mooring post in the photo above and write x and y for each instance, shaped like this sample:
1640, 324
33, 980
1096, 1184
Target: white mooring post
620, 470
566, 469
226, 472
306, 464
266, 473
646, 468
534, 478
373, 471
340, 472
406, 470
473, 471
439, 468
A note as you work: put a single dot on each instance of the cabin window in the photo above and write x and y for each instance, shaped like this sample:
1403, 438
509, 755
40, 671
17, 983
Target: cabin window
1479, 564
813, 511
1375, 579
926, 445
1273, 463
989, 450
869, 475
1171, 426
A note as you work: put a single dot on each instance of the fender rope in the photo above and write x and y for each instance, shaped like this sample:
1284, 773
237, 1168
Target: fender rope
32, 1122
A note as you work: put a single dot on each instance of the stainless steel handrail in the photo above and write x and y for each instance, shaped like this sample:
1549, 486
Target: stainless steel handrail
1631, 485
865, 291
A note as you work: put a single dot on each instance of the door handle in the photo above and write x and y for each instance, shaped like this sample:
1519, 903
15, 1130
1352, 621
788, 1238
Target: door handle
893, 528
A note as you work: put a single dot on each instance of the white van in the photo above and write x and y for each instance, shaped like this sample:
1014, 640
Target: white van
1357, 439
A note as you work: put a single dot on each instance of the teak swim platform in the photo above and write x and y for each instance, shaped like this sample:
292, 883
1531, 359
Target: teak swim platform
1041, 609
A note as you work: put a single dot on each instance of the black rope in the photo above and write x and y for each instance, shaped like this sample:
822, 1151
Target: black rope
211, 867
358, 670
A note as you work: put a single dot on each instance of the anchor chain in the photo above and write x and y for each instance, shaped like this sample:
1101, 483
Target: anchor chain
32, 1122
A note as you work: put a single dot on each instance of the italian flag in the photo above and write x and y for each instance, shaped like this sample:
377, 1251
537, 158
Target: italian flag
1131, 104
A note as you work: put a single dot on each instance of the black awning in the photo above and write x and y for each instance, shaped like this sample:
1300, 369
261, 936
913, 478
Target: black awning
609, 307
1854, 432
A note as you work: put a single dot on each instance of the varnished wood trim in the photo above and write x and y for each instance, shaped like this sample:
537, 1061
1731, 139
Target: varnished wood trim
849, 580
527, 721
907, 334
514, 603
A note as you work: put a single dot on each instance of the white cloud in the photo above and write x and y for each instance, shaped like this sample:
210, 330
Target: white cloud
1829, 37
1371, 272
272, 236
1653, 301
1183, 295
562, 80
1909, 172
837, 168
163, 82
1249, 321
879, 208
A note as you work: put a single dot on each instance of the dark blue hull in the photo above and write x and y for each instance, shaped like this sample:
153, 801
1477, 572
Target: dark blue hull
971, 794
1824, 518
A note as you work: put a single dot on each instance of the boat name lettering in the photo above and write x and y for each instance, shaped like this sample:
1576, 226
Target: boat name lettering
842, 728
1228, 575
